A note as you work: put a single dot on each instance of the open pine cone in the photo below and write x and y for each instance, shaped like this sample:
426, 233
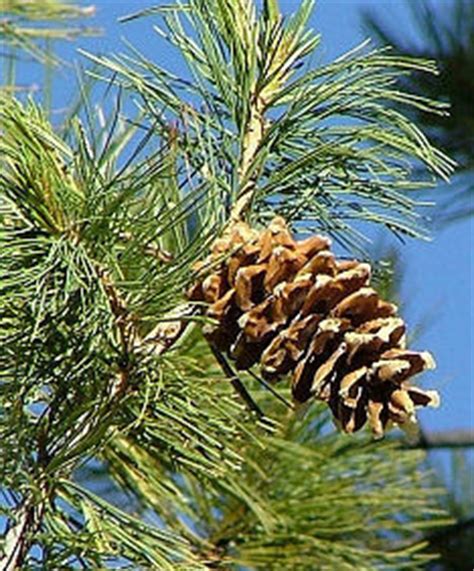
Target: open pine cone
291, 307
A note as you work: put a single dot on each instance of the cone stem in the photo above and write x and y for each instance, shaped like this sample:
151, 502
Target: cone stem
236, 382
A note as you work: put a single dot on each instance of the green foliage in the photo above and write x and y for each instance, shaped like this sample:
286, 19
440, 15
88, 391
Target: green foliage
324, 146
99, 235
65, 217
19, 32
329, 500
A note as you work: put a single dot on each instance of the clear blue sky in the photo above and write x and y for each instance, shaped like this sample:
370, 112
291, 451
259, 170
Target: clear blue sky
438, 275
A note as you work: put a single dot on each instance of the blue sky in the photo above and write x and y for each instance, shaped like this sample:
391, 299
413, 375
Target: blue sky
438, 276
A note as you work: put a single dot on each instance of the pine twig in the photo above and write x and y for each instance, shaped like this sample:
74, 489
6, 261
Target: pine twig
20, 536
449, 439
252, 139
16, 539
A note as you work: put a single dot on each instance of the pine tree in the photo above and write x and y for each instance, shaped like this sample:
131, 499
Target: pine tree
126, 441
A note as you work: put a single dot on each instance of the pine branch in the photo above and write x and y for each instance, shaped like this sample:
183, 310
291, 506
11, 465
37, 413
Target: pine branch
94, 292
97, 359
446, 39
25, 522
44, 10
448, 439
280, 54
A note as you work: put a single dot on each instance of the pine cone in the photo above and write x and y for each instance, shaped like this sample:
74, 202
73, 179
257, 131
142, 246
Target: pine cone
291, 307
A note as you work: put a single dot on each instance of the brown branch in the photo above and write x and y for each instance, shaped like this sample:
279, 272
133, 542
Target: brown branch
16, 543
449, 439
123, 318
20, 536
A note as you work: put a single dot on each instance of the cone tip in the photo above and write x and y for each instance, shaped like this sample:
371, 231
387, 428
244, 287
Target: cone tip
428, 358
435, 399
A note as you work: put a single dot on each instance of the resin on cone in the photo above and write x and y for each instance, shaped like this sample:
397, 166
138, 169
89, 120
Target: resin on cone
294, 310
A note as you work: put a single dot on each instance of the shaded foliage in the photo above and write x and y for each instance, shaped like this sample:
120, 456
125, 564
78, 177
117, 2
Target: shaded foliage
445, 34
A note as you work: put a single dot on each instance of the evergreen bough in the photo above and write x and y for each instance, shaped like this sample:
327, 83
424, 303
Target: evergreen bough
105, 377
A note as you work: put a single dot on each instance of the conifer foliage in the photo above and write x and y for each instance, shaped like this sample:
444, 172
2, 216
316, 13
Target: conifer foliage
106, 371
